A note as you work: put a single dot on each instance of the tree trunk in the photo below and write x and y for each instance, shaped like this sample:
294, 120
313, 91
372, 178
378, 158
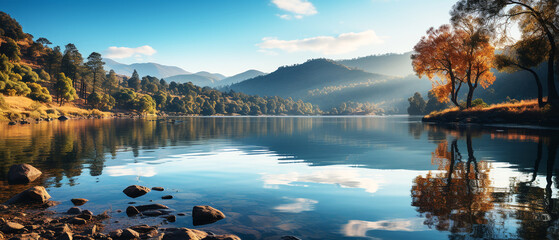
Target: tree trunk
540, 88
552, 96
470, 96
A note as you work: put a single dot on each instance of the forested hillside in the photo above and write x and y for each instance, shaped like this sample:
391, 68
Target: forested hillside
50, 75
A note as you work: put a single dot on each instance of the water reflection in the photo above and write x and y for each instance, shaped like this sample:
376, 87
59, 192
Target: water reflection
313, 177
460, 197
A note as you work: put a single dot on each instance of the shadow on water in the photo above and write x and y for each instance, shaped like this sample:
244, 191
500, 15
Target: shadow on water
459, 197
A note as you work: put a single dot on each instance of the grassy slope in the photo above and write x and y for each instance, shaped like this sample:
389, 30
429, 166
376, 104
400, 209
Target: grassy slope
18, 107
523, 112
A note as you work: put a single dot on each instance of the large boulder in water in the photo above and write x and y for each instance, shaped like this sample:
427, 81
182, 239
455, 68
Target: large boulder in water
202, 215
135, 191
37, 194
22, 174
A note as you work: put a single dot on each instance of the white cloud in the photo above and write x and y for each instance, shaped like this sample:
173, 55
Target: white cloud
298, 7
126, 52
358, 228
298, 205
343, 43
343, 178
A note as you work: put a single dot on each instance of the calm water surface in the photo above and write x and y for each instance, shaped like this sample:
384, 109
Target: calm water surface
311, 177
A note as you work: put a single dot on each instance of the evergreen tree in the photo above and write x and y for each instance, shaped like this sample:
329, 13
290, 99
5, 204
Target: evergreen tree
64, 90
134, 81
11, 50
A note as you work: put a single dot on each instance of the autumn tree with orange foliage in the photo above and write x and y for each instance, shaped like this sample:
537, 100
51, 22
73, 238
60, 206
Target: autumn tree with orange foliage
454, 55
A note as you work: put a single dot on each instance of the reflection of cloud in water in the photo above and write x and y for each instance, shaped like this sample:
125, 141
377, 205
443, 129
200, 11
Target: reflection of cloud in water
298, 205
131, 170
358, 228
345, 178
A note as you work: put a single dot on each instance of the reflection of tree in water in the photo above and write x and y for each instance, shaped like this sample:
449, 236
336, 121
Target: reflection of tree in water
457, 197
523, 210
538, 211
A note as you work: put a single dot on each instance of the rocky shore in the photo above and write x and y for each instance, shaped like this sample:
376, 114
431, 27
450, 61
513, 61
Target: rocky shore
26, 216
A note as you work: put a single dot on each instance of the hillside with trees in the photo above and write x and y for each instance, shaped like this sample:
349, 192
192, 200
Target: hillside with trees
391, 64
53, 76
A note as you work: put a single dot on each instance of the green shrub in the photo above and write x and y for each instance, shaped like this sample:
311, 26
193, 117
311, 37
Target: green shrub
479, 103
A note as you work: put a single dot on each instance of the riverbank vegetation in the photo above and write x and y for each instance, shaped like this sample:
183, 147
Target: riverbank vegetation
462, 55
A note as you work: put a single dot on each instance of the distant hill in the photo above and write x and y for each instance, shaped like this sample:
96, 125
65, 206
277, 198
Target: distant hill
392, 64
240, 77
215, 76
196, 79
327, 84
152, 69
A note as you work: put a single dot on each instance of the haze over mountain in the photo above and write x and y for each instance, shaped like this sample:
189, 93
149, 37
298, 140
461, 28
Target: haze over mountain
327, 83
151, 69
392, 64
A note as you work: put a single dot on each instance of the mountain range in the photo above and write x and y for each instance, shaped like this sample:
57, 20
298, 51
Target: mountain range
328, 83
143, 69
385, 80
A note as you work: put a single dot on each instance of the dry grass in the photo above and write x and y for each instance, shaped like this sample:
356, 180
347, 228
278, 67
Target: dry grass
522, 112
22, 107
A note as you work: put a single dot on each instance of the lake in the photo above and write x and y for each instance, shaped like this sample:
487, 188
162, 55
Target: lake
311, 177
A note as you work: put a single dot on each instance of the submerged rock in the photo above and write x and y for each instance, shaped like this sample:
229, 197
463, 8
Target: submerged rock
22, 174
202, 215
167, 197
135, 191
157, 189
37, 194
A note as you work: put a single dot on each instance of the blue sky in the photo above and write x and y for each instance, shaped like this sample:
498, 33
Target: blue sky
228, 36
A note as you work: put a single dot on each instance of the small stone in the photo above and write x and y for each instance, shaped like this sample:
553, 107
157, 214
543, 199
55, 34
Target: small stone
181, 214
74, 210
65, 236
27, 236
78, 201
62, 229
135, 191
85, 216
129, 234
91, 231
171, 218
63, 118
115, 234
156, 206
118, 211
167, 197
87, 212
131, 202
157, 189
77, 221
131, 211
12, 227
202, 215
3, 207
